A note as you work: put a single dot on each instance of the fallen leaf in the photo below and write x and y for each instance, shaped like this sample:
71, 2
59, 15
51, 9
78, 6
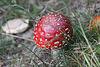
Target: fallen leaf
15, 26
1, 63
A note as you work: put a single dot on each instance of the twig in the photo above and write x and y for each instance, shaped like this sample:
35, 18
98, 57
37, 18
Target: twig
3, 9
46, 6
60, 9
78, 48
16, 37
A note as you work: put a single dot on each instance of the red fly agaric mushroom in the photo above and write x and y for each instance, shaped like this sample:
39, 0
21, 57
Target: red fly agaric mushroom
95, 23
52, 30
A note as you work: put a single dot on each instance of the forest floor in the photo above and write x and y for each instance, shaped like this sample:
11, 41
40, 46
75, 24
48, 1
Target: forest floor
20, 50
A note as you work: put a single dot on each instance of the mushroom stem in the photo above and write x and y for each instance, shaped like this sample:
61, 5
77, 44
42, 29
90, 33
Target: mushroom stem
54, 54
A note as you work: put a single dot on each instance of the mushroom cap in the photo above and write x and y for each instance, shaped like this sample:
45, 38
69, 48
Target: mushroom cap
52, 30
95, 23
